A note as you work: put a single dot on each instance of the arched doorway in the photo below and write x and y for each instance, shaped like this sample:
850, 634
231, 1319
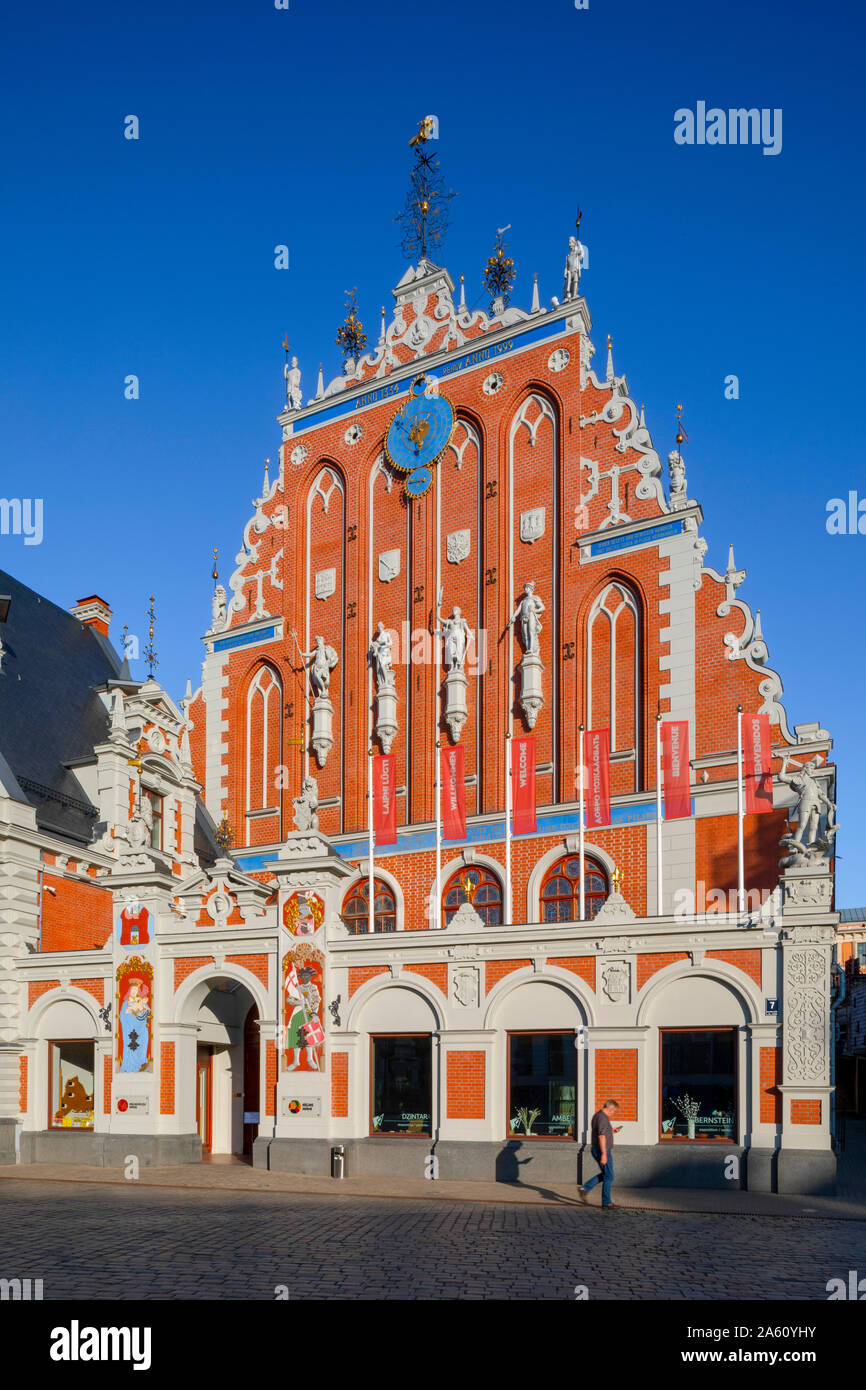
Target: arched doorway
227, 1063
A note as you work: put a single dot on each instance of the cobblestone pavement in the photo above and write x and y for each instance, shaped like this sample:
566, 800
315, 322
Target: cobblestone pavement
90, 1242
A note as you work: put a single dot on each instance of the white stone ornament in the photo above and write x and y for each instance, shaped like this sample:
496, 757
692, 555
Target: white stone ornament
381, 655
492, 383
353, 433
558, 359
532, 525
389, 565
526, 619
322, 661
298, 454
455, 631
326, 583
457, 546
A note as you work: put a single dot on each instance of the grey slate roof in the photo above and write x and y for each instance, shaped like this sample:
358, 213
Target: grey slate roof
852, 914
50, 713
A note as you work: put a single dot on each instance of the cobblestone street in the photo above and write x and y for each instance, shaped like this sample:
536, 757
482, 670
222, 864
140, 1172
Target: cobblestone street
90, 1242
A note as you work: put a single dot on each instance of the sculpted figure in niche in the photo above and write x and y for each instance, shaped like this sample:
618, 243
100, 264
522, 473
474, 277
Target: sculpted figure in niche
381, 651
526, 616
322, 660
455, 631
219, 606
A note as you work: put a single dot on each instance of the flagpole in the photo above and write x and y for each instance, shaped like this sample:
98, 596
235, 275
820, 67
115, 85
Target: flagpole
741, 872
659, 903
581, 823
437, 782
370, 841
508, 827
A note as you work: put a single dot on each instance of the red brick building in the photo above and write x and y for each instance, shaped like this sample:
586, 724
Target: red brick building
490, 1000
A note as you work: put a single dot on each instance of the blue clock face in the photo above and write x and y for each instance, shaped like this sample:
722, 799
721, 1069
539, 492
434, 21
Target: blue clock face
419, 481
420, 431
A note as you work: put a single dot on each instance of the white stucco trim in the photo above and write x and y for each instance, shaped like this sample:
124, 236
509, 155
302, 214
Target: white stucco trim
418, 983
550, 975
719, 970
191, 992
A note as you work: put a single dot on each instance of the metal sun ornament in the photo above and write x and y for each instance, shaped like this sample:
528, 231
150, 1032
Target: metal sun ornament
350, 335
424, 219
499, 273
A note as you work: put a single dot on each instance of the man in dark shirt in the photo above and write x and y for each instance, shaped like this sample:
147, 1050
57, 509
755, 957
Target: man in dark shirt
602, 1151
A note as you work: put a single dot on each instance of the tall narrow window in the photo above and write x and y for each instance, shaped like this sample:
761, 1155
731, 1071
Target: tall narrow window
613, 672
264, 740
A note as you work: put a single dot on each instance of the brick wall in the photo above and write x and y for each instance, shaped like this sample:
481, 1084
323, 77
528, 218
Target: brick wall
166, 1078
360, 974
107, 1070
616, 1079
22, 1084
256, 964
649, 963
92, 986
496, 970
188, 965
339, 1085
270, 1077
436, 974
805, 1112
584, 966
747, 961
770, 1080
77, 916
465, 1085
36, 988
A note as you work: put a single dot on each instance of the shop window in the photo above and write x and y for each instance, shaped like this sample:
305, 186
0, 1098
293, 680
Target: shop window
71, 1085
560, 892
480, 888
542, 1070
356, 908
402, 1085
698, 1084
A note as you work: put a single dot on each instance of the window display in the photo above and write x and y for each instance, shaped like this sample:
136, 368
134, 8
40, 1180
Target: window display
541, 1085
402, 1089
71, 1085
698, 1083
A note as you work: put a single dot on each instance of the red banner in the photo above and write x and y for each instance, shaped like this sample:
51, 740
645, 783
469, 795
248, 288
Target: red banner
384, 798
523, 785
453, 793
596, 788
757, 766
676, 775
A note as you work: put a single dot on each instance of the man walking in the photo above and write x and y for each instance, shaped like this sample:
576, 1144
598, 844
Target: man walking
602, 1151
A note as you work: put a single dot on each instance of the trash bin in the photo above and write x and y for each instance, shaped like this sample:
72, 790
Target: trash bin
338, 1161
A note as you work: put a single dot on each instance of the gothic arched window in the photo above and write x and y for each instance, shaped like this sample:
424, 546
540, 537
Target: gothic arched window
613, 671
264, 739
478, 886
356, 908
560, 891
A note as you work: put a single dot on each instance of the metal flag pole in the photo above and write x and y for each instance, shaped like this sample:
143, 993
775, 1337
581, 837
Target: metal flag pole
741, 871
370, 838
509, 677
659, 909
508, 826
437, 781
582, 824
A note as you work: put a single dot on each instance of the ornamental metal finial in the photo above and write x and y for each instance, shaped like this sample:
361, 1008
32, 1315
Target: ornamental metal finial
681, 434
424, 219
616, 879
498, 273
350, 335
215, 574
149, 652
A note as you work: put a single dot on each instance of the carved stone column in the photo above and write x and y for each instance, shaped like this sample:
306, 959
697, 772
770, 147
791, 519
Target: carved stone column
806, 1160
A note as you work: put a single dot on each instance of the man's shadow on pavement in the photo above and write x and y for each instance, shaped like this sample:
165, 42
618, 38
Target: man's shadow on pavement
508, 1167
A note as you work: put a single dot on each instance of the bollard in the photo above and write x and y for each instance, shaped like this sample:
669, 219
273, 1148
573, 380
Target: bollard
338, 1161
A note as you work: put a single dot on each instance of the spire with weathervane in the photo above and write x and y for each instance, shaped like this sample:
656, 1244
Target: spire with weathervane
424, 219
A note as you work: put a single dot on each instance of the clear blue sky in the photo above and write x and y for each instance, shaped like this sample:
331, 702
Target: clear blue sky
261, 126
